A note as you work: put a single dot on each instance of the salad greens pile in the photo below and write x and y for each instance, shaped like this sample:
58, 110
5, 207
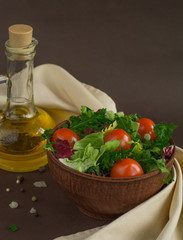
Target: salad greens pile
92, 155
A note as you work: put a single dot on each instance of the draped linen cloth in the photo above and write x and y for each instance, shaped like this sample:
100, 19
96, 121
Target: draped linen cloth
55, 89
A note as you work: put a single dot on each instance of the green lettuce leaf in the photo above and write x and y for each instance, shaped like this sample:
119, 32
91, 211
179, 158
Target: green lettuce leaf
82, 160
89, 150
110, 146
95, 139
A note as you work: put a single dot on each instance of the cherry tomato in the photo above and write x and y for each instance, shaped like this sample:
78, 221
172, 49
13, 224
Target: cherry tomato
126, 168
119, 134
146, 127
65, 134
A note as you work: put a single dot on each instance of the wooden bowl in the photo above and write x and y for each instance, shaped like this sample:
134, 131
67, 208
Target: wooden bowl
105, 198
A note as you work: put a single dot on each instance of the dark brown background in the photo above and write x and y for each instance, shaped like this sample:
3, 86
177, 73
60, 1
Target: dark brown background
132, 50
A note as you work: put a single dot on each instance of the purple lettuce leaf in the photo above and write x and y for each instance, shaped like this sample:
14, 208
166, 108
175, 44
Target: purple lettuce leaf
167, 152
63, 149
88, 131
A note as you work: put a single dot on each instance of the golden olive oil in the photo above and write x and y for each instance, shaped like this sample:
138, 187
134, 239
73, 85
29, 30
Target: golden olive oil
21, 148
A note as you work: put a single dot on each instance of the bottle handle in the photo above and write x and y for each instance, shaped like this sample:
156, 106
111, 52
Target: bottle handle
3, 79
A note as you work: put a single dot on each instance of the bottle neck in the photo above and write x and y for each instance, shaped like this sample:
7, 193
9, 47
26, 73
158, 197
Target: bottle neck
20, 98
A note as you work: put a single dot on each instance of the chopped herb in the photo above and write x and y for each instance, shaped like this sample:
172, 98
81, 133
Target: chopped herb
46, 136
13, 228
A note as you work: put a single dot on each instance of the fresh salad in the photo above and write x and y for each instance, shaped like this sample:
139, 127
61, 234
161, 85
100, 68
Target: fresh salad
109, 144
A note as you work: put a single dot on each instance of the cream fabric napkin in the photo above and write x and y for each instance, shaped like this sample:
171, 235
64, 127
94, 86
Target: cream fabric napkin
158, 218
55, 89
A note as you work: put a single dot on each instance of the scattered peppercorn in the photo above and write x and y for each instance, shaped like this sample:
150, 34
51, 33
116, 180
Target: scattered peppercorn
20, 179
17, 181
34, 198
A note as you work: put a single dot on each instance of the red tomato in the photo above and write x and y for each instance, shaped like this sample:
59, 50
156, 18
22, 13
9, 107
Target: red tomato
146, 127
126, 168
65, 134
119, 134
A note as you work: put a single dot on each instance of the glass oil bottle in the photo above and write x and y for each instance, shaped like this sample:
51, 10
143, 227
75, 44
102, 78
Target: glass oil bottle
22, 123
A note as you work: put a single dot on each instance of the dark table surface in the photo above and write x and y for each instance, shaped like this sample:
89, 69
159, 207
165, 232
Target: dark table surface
132, 50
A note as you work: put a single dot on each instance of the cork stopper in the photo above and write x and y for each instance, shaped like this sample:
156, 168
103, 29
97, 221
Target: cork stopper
20, 35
